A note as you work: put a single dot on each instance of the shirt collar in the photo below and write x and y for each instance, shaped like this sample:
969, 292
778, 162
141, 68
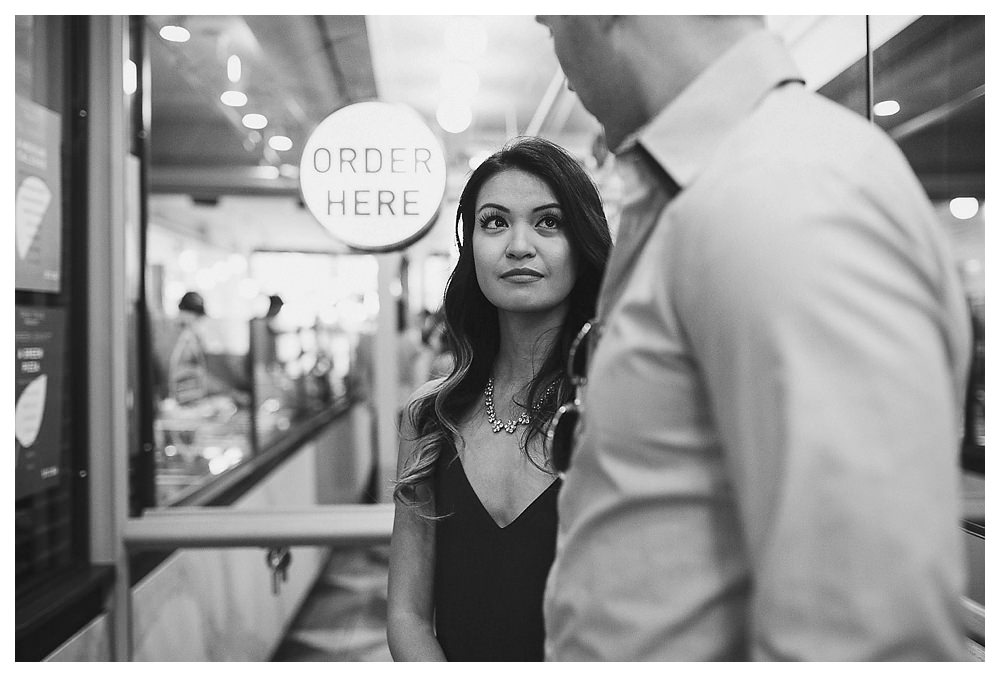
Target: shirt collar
684, 135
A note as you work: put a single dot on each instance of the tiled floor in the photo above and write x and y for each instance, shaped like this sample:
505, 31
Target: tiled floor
344, 616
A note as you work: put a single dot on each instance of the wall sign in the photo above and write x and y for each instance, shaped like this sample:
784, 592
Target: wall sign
374, 175
37, 196
39, 335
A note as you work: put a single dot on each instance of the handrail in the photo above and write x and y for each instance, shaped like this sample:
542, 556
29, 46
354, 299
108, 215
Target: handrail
223, 527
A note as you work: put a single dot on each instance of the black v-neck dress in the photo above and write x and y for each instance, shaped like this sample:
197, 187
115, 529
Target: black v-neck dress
489, 580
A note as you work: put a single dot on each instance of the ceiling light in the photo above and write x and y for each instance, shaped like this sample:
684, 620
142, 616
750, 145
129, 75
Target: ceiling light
885, 108
454, 116
279, 142
234, 98
234, 68
130, 77
175, 34
964, 207
254, 121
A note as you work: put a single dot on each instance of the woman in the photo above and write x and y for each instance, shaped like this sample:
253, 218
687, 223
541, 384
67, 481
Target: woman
475, 524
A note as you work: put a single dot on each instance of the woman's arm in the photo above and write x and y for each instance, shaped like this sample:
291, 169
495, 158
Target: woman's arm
411, 574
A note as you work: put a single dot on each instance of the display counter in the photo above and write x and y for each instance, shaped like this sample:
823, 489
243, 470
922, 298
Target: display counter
216, 412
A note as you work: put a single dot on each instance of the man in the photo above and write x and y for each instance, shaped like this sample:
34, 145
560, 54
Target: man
767, 462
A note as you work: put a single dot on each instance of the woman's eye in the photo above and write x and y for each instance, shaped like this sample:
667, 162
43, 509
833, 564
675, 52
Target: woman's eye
492, 222
549, 222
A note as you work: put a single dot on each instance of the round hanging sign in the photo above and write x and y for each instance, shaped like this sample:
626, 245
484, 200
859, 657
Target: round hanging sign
374, 175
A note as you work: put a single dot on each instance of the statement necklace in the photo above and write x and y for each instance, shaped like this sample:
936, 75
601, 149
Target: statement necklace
511, 424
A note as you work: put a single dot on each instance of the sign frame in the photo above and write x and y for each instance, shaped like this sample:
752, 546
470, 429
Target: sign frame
354, 147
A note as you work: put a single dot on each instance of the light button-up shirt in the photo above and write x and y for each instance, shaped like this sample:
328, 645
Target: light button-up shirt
767, 467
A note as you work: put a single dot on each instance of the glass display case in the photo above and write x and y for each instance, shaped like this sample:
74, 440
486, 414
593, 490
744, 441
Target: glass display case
215, 411
202, 413
248, 350
297, 373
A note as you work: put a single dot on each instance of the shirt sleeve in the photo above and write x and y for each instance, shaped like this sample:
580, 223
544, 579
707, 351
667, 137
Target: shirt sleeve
816, 326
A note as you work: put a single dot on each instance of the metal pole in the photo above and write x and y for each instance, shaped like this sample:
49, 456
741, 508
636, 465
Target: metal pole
108, 412
386, 374
869, 69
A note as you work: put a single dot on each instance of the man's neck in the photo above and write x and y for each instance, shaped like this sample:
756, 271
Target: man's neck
667, 54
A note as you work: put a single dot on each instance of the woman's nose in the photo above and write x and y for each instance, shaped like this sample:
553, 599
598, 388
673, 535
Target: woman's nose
520, 244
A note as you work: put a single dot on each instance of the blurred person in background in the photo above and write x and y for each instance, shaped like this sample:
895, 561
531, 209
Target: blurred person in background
185, 372
766, 463
191, 305
475, 523
264, 333
188, 370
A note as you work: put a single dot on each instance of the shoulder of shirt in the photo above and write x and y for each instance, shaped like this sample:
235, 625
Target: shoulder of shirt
753, 201
836, 147
791, 125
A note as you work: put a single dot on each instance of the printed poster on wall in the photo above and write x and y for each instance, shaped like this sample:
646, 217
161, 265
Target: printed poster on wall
38, 340
37, 196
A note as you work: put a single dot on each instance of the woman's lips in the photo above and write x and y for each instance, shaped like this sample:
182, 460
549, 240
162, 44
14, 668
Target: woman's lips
521, 275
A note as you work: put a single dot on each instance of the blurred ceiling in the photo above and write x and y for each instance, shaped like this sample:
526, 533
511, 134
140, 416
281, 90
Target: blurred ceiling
295, 70
299, 69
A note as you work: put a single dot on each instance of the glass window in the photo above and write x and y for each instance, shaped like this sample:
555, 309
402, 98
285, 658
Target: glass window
930, 97
50, 506
245, 346
199, 339
928, 93
303, 345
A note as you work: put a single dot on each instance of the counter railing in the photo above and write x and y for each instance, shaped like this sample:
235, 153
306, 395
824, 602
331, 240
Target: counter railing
226, 527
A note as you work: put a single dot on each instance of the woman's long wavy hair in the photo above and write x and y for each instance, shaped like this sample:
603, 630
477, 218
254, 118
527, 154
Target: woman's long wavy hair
471, 320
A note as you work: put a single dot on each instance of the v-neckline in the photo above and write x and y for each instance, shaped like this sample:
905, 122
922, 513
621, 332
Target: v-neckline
479, 501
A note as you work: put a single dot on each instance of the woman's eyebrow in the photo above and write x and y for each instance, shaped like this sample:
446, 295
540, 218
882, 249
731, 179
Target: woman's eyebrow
540, 208
491, 205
